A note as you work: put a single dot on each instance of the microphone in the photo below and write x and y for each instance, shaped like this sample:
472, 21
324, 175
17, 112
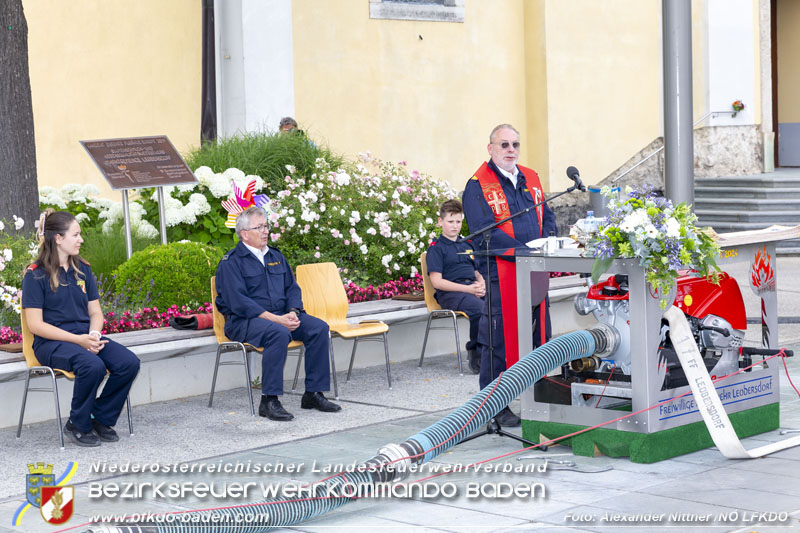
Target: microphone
574, 175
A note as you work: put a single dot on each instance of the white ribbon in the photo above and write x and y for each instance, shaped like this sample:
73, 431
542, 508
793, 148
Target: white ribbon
705, 394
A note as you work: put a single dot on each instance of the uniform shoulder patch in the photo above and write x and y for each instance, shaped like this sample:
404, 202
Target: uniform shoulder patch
225, 257
32, 267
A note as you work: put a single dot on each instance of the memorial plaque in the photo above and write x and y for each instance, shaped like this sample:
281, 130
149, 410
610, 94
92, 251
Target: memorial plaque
138, 162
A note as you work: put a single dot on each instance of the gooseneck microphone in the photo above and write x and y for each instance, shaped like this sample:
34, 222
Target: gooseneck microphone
574, 175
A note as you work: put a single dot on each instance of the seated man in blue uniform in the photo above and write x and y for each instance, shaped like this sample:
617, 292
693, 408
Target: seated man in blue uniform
62, 310
498, 189
263, 306
459, 286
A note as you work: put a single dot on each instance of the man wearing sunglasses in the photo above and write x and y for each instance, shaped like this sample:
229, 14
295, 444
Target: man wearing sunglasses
263, 306
500, 188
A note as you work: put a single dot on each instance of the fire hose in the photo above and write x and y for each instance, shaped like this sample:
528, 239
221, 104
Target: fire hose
714, 415
393, 461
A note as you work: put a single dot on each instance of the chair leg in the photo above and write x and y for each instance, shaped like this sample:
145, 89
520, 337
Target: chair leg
386, 351
130, 418
333, 367
458, 345
352, 357
24, 401
297, 370
249, 380
58, 409
214, 379
425, 340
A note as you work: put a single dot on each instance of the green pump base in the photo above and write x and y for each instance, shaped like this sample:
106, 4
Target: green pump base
650, 447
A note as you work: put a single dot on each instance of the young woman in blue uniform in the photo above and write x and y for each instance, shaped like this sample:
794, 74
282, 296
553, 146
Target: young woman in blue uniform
62, 309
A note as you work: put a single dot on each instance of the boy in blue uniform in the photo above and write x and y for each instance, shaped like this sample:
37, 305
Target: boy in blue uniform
459, 286
263, 306
62, 310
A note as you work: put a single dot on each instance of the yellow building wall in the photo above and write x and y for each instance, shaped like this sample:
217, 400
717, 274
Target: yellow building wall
425, 92
604, 84
579, 79
756, 64
537, 154
111, 68
788, 65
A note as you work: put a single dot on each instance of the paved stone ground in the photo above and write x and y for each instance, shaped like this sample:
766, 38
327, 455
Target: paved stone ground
695, 486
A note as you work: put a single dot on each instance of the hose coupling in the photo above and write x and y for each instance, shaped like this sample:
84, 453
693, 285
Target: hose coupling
606, 339
399, 460
585, 364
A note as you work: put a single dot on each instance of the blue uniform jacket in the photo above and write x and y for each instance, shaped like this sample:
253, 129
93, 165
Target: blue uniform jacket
526, 227
68, 307
246, 288
446, 257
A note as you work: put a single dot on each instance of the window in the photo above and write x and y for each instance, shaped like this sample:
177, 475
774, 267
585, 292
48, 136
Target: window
433, 10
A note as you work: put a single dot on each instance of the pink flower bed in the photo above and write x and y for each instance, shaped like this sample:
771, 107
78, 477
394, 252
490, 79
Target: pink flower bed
151, 317
397, 287
9, 336
148, 318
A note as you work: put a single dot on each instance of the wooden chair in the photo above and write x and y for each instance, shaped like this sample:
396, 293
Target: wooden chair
35, 369
227, 345
324, 298
435, 311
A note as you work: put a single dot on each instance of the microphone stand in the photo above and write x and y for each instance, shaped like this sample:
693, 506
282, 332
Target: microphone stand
493, 426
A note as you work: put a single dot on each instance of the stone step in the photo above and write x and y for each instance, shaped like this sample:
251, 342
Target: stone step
743, 192
769, 181
750, 204
784, 218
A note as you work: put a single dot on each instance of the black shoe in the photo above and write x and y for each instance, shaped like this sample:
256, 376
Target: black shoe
106, 433
316, 400
474, 359
506, 418
272, 409
80, 438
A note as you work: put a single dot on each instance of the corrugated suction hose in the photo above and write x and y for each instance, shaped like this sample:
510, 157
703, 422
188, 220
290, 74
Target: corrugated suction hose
392, 461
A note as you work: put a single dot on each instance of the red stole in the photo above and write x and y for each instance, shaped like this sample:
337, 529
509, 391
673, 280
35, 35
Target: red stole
507, 270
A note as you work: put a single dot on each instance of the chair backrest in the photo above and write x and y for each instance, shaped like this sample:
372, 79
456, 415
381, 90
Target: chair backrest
27, 343
219, 319
323, 292
428, 289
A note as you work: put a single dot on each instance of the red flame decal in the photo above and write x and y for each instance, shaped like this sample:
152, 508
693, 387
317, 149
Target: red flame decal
762, 275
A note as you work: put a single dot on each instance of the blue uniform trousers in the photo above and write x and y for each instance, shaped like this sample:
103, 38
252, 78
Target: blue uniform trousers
498, 339
90, 370
468, 303
275, 338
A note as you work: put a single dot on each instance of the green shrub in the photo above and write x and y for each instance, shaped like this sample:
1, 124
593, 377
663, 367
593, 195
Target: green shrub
263, 154
173, 274
16, 252
106, 251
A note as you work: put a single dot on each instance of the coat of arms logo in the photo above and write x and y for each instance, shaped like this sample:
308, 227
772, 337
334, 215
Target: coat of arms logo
39, 476
48, 493
57, 504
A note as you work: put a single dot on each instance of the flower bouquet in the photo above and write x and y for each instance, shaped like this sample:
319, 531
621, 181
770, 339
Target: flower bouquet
664, 239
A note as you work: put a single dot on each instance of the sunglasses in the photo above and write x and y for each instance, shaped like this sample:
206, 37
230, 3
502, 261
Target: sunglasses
505, 144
